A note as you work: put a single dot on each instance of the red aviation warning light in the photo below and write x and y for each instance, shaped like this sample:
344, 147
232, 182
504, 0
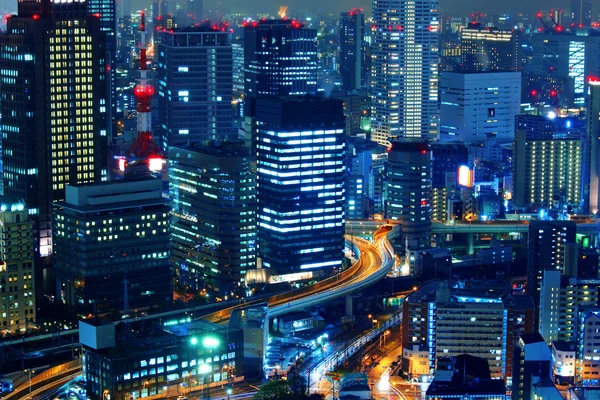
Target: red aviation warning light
553, 93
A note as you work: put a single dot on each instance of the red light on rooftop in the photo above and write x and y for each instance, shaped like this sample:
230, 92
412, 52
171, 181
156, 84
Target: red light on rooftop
245, 23
581, 25
254, 24
539, 15
596, 24
263, 19
35, 17
533, 93
559, 28
423, 151
553, 93
540, 29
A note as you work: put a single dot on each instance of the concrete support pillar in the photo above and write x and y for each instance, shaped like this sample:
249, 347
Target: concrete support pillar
470, 244
349, 310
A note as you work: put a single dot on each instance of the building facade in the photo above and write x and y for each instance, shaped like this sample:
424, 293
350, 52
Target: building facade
112, 247
195, 86
546, 172
478, 106
57, 133
409, 191
591, 160
300, 152
546, 250
484, 49
354, 61
17, 275
280, 59
213, 194
404, 70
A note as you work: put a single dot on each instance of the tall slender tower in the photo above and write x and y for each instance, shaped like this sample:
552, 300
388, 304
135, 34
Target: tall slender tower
54, 105
353, 50
145, 156
591, 160
404, 70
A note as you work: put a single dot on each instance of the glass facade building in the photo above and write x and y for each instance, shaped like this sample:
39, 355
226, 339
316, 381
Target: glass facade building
404, 69
280, 59
489, 49
354, 54
195, 86
54, 106
300, 151
213, 194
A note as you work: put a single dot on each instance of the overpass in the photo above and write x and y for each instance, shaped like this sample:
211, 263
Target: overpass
366, 227
375, 262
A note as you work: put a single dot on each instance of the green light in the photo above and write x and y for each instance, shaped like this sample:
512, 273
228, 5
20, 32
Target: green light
229, 390
210, 342
194, 341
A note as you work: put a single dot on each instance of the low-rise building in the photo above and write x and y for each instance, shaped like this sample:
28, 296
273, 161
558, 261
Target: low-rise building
563, 362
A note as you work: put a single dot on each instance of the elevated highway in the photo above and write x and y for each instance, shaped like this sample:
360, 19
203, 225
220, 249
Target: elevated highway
376, 259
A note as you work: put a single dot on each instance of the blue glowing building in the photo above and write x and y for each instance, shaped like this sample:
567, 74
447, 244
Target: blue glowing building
300, 150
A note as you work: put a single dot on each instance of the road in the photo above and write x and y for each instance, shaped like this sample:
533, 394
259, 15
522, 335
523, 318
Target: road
375, 257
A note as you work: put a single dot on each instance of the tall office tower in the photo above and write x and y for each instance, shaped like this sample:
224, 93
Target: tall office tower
546, 172
196, 9
280, 59
479, 106
112, 246
532, 363
17, 276
300, 152
566, 59
195, 86
354, 61
581, 12
489, 49
546, 250
404, 70
213, 184
123, 8
591, 160
237, 50
105, 10
535, 126
409, 192
57, 133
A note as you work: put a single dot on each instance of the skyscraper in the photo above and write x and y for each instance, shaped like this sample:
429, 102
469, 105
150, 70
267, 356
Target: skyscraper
566, 56
581, 12
54, 105
196, 9
591, 160
300, 151
109, 236
213, 193
409, 192
195, 85
280, 59
404, 69
105, 11
354, 56
489, 49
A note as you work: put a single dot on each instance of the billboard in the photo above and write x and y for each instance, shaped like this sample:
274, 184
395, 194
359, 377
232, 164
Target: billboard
465, 176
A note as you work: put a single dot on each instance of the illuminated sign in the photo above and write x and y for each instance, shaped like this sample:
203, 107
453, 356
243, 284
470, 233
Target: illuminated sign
122, 163
155, 164
298, 276
465, 176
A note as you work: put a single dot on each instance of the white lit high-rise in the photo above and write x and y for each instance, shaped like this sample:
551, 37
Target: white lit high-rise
404, 72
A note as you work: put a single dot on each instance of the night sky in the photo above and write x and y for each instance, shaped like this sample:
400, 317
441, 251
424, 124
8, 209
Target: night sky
299, 7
